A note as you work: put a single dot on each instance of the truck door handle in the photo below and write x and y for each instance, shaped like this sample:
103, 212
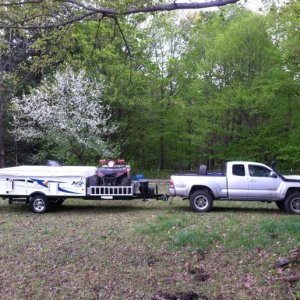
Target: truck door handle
252, 180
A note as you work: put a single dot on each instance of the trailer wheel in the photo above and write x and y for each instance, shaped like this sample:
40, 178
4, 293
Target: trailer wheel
39, 204
292, 203
201, 201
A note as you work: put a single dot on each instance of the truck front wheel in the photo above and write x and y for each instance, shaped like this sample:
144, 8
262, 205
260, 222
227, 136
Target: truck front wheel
292, 203
201, 201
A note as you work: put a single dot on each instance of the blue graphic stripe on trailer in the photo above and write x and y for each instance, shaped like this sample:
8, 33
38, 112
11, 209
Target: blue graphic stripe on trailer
45, 184
66, 191
40, 182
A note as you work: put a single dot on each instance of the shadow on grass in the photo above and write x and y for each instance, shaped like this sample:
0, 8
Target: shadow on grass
100, 209
142, 206
246, 210
237, 209
90, 208
128, 206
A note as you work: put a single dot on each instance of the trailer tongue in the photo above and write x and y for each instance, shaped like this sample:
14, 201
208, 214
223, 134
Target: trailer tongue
44, 187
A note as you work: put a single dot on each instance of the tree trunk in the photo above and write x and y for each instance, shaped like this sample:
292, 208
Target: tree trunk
162, 153
2, 148
2, 106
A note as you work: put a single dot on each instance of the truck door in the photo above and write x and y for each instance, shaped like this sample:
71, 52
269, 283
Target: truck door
261, 184
237, 181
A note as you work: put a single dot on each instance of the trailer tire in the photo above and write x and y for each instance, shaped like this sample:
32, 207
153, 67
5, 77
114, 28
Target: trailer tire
292, 203
92, 181
39, 203
201, 201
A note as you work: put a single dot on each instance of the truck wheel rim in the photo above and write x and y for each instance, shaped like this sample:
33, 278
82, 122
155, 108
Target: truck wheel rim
295, 205
201, 202
39, 205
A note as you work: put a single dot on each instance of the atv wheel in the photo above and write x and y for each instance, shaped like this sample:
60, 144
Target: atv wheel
92, 181
125, 181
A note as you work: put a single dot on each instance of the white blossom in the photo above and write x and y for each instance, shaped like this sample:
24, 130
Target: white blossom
66, 110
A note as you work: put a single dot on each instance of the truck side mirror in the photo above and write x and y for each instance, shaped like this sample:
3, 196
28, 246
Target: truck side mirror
273, 175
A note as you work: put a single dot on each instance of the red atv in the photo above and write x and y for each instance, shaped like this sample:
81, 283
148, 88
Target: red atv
114, 173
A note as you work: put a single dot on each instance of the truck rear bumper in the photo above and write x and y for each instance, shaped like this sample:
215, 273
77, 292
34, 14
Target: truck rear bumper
172, 192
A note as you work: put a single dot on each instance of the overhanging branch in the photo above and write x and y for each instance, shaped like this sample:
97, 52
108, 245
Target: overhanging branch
75, 11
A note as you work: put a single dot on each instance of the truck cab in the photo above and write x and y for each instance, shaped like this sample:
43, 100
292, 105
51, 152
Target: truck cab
253, 181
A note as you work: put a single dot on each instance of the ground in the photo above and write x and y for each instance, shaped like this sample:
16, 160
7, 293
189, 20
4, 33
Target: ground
147, 250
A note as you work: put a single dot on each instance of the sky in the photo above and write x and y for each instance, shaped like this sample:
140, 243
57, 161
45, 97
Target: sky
251, 4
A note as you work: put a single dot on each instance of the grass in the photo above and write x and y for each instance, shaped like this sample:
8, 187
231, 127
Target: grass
138, 250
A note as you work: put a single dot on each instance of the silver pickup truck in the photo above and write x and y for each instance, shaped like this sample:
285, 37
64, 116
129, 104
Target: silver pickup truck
241, 180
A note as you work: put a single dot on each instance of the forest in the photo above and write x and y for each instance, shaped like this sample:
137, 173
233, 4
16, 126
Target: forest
163, 90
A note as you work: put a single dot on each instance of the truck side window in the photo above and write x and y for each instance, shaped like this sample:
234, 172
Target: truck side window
238, 170
258, 171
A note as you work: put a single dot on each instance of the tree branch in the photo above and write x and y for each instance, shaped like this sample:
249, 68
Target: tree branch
20, 3
78, 11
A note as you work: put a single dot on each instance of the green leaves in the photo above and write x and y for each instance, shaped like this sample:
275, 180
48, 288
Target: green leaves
214, 86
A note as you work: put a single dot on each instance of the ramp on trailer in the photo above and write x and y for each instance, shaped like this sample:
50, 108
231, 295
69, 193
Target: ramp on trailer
113, 192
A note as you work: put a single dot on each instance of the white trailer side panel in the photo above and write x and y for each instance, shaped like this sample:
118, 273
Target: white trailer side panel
65, 181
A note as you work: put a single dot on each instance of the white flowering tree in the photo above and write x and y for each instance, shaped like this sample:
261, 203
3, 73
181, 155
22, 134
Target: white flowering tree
67, 115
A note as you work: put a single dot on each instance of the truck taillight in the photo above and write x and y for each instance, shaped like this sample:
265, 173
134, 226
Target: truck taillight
171, 183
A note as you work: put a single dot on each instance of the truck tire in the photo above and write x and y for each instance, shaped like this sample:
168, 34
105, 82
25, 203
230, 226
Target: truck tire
201, 201
292, 203
92, 181
39, 204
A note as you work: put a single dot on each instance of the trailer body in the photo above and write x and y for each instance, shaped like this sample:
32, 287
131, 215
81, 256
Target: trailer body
24, 181
45, 186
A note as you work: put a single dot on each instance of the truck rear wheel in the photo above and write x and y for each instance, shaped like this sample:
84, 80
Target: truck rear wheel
39, 204
201, 201
292, 203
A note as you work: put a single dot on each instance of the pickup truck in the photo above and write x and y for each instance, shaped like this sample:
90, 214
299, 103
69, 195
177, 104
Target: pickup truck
241, 180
